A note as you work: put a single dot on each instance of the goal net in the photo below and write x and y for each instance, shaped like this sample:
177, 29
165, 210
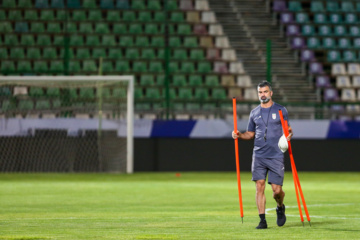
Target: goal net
66, 123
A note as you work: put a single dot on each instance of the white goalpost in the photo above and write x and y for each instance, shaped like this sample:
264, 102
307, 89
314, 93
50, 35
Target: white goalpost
67, 123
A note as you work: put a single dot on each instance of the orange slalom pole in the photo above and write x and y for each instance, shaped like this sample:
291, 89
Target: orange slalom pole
237, 162
297, 176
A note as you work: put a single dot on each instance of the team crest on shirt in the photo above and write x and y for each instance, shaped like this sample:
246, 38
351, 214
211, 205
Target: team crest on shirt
274, 116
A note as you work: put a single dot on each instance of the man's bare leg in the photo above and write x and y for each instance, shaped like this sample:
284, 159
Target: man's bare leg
279, 195
261, 202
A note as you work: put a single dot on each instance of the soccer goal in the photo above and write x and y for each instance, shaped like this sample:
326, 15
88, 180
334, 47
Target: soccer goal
66, 123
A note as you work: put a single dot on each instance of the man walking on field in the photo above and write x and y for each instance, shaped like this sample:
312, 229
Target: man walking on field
265, 126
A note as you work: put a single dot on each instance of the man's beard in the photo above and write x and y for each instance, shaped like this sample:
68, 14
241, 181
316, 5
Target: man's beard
267, 99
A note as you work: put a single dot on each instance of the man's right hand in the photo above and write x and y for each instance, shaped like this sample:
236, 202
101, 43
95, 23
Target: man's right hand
235, 135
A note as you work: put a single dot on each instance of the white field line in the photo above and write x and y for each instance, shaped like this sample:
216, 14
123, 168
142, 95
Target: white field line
315, 205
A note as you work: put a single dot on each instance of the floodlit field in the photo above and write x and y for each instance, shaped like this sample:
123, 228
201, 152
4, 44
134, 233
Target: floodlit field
166, 206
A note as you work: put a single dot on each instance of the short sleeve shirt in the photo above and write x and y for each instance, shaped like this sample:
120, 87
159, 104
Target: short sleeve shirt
267, 118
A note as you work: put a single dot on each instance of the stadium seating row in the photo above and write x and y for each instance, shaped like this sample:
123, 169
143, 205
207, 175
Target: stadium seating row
319, 18
317, 6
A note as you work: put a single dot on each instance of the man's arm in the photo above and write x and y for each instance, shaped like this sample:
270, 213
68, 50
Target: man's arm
243, 136
290, 134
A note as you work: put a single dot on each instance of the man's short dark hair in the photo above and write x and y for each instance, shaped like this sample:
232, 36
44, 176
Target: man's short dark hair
264, 84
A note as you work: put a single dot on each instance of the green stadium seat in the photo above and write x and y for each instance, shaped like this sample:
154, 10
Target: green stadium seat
47, 15
122, 4
57, 66
61, 15
209, 107
12, 39
14, 15
145, 16
197, 54
211, 81
332, 6
82, 53
132, 53
119, 92
347, 6
122, 66
25, 4
9, 4
142, 41
113, 16
151, 28
192, 106
86, 27
86, 93
328, 42
157, 41
126, 41
73, 4
313, 43
195, 80
108, 40
57, 4
129, 16
6, 27
135, 28
107, 66
187, 67
40, 66
295, 6
152, 93
356, 43
320, 18
307, 30
3, 53
92, 40
218, 94
190, 42
2, 15
21, 27
58, 40
17, 52
201, 94
340, 30
95, 15
148, 53
120, 28
324, 30
89, 66
154, 5
138, 93
177, 17
173, 67
53, 92
33, 53
344, 43
37, 27
25, 105
349, 56
185, 94
115, 53
317, 6
107, 4
204, 67
138, 5
89, 4
335, 18
354, 31
98, 52
161, 53
71, 27
180, 54
43, 40
42, 104
49, 53
7, 66
146, 80
79, 15
172, 5
53, 27
74, 66
24, 66
139, 66
172, 93
333, 56
160, 79
102, 28
174, 42
351, 18
71, 53
159, 16
156, 67
5, 91
179, 80
184, 29
302, 17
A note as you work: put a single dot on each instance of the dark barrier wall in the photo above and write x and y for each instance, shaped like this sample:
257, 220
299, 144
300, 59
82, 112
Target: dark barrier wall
181, 154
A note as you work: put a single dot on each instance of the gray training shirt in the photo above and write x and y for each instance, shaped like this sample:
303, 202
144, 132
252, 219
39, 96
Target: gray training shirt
258, 120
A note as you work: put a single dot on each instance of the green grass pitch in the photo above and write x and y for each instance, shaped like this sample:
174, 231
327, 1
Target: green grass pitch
166, 206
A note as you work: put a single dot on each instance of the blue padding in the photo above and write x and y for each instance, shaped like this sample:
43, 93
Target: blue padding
172, 128
344, 129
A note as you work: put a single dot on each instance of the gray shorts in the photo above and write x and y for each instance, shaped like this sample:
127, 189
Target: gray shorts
262, 166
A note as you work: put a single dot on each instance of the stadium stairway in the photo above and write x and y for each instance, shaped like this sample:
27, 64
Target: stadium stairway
248, 26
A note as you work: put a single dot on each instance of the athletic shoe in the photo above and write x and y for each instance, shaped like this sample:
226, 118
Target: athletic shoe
281, 218
262, 225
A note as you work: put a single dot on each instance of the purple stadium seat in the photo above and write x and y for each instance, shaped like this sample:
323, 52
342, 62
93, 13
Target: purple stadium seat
186, 5
292, 30
298, 43
279, 5
307, 55
286, 18
213, 53
316, 68
323, 82
331, 94
220, 67
200, 29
